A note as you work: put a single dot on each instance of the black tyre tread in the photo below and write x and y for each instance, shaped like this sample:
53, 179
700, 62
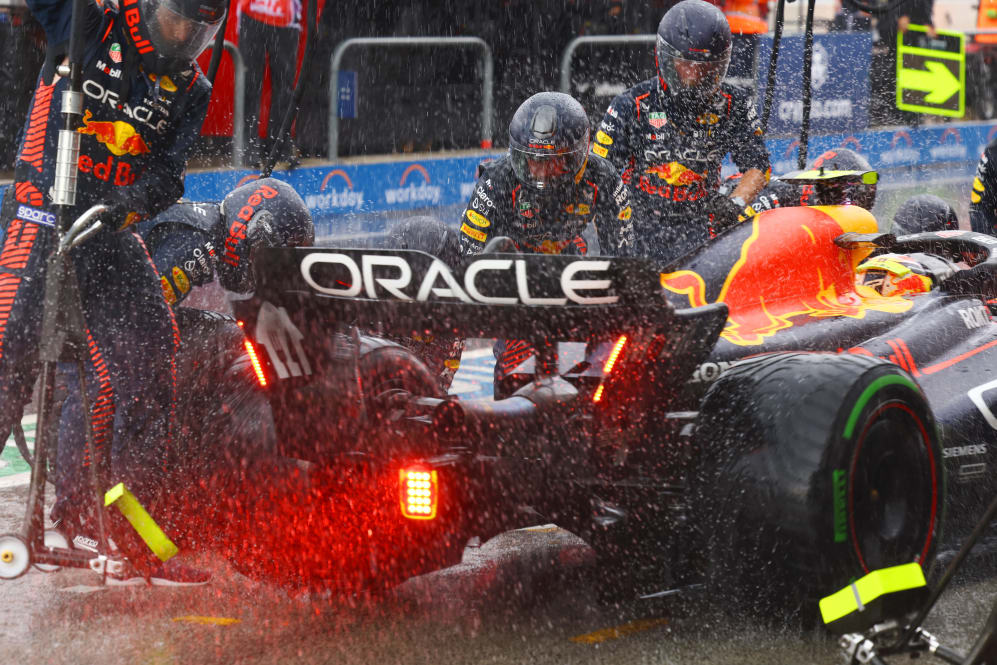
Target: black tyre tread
392, 366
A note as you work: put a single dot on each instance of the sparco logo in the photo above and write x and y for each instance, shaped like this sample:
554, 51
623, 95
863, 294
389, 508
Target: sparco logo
390, 277
686, 154
140, 114
36, 216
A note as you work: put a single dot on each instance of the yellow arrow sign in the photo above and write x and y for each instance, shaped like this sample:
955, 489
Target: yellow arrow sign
938, 81
931, 71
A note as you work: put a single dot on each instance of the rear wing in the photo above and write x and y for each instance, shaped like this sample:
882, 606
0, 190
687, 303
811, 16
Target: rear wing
405, 292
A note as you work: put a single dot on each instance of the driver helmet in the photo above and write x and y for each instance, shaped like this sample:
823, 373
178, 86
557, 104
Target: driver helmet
262, 213
860, 191
924, 213
170, 34
897, 274
692, 53
549, 141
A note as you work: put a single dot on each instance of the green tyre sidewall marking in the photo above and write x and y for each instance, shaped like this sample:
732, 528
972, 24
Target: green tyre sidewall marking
890, 386
868, 393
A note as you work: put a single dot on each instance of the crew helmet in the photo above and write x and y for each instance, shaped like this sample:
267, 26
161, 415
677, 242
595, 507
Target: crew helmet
692, 53
859, 190
170, 34
261, 213
924, 213
549, 141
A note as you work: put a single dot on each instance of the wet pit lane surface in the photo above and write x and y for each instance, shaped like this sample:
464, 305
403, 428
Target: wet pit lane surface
519, 598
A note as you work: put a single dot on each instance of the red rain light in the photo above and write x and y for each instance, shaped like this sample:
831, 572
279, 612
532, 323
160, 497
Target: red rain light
418, 492
255, 359
614, 355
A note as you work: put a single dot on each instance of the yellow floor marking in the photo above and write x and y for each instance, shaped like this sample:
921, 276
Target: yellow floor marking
617, 632
550, 528
217, 621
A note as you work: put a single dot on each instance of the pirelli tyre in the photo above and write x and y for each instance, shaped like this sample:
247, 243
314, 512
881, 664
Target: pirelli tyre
813, 470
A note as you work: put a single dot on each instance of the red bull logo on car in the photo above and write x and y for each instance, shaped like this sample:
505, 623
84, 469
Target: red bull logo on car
118, 136
766, 293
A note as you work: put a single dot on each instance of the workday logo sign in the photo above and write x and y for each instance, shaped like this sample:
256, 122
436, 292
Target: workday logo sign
901, 151
990, 137
414, 187
950, 146
336, 193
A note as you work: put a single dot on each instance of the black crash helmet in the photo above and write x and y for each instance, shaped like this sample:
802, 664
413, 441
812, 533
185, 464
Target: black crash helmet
692, 53
264, 212
924, 213
861, 190
549, 141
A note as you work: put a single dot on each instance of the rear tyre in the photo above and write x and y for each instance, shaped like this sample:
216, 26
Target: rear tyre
815, 469
225, 439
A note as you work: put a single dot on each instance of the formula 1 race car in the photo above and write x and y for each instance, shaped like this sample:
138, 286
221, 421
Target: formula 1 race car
770, 426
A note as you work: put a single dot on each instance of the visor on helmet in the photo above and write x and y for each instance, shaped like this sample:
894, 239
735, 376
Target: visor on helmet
546, 168
859, 189
698, 78
174, 32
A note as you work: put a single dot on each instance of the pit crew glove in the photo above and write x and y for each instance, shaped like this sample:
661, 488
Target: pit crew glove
120, 215
724, 212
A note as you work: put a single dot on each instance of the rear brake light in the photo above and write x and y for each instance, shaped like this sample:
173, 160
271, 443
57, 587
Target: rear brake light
255, 360
614, 355
418, 491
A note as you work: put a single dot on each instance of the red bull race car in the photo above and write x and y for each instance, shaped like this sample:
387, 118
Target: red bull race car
757, 416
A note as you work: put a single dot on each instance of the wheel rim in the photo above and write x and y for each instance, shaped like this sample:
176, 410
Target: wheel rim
15, 559
893, 490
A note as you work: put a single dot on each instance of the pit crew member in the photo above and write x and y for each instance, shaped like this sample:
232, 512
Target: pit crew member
544, 193
143, 104
779, 193
924, 213
548, 188
983, 195
189, 243
668, 135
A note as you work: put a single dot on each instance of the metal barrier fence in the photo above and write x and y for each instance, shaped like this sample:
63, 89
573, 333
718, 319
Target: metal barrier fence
487, 77
238, 105
594, 40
